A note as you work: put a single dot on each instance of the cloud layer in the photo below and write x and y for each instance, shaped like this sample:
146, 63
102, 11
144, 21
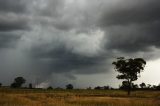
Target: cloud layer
75, 37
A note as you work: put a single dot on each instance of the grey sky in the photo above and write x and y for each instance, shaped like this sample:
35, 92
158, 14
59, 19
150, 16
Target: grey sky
64, 41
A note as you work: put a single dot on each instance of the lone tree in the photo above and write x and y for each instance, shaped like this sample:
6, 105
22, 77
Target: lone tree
142, 85
69, 86
129, 69
30, 86
18, 82
50, 88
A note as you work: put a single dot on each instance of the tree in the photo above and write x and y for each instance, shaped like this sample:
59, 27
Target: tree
158, 87
149, 86
69, 86
135, 86
0, 84
124, 85
106, 87
30, 86
18, 82
129, 69
142, 85
98, 88
154, 87
89, 88
50, 88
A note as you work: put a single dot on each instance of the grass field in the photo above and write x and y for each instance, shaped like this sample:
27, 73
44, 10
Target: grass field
26, 97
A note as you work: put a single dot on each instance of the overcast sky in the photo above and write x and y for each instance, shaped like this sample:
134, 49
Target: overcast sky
56, 42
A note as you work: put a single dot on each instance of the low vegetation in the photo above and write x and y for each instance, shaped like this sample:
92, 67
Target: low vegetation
43, 97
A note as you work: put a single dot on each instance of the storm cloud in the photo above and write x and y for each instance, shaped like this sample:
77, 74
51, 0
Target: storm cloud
16, 6
135, 24
70, 38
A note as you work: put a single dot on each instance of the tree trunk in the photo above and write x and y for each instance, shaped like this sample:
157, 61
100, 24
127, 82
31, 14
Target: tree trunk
129, 91
129, 87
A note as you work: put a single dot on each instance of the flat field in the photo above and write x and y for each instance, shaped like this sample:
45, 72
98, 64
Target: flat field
39, 97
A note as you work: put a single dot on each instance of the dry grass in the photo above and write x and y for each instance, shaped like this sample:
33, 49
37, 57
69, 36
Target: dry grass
15, 97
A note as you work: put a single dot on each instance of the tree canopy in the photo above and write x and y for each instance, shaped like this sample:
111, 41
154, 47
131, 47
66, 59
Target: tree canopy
18, 81
69, 86
129, 69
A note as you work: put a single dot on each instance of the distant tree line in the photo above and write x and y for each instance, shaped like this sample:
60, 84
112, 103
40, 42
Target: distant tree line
103, 88
19, 81
141, 86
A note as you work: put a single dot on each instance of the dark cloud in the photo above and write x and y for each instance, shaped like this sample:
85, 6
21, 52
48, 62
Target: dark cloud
13, 19
17, 6
50, 8
62, 60
134, 38
75, 37
13, 15
132, 26
66, 15
12, 22
131, 12
8, 39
